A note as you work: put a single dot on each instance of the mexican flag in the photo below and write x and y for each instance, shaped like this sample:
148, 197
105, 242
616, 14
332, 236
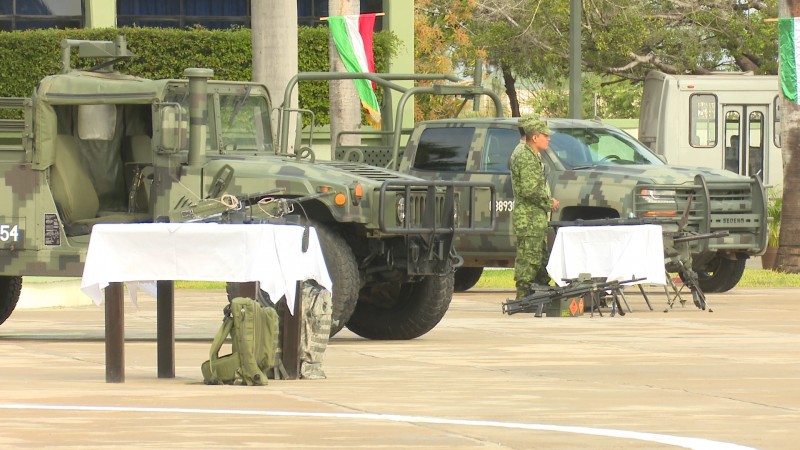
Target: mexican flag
353, 38
789, 41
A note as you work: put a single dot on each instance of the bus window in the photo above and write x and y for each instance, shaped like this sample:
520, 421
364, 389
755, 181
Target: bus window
733, 133
755, 142
703, 120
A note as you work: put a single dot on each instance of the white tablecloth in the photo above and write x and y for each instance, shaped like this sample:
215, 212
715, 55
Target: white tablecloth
269, 254
619, 252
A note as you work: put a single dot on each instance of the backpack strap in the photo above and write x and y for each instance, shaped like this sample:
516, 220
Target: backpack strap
222, 334
221, 370
247, 331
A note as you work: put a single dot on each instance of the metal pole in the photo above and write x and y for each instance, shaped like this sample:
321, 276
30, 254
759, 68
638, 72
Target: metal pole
115, 333
198, 113
575, 60
165, 328
292, 326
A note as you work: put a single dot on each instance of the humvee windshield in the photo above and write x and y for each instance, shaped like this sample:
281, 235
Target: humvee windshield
240, 123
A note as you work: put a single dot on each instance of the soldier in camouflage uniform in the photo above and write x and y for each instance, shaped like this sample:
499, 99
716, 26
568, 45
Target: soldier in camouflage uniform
532, 201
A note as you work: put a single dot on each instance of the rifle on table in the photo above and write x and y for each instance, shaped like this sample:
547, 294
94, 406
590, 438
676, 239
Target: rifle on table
611, 221
543, 295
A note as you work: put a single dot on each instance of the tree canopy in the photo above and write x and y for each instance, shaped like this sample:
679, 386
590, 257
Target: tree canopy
527, 42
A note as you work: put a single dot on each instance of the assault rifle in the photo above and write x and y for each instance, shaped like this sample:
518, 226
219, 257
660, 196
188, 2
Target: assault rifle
581, 286
677, 237
611, 221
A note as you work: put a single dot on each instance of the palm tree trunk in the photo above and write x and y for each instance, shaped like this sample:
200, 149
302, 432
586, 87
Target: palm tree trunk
788, 259
274, 29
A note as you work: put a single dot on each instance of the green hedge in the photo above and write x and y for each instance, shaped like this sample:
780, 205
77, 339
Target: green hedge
28, 56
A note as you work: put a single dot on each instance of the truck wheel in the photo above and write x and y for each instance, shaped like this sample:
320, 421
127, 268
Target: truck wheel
402, 310
721, 274
343, 270
466, 278
10, 287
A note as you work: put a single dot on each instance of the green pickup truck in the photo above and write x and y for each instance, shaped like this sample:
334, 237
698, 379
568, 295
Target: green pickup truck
597, 171
713, 220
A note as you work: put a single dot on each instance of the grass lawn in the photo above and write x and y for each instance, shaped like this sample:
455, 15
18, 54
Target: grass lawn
504, 279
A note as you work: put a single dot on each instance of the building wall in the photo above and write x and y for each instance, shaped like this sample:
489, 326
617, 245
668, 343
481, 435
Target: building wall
400, 19
101, 13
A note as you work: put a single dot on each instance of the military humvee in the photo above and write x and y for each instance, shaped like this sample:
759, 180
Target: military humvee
99, 146
597, 171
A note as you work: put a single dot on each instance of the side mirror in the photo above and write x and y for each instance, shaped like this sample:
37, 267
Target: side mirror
174, 129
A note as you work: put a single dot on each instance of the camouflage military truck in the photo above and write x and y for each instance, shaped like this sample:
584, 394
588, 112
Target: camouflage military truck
98, 146
597, 171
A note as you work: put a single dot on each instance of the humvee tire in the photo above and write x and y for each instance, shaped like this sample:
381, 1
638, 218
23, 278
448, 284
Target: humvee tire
343, 270
10, 288
395, 311
466, 278
721, 274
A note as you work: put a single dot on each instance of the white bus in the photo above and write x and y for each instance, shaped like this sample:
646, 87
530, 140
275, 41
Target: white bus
723, 121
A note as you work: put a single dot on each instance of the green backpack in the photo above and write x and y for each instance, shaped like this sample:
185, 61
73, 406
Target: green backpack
254, 337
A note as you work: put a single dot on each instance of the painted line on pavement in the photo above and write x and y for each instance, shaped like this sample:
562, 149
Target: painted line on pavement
678, 441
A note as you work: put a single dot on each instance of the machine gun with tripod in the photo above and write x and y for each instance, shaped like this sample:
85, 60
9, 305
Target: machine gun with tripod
581, 287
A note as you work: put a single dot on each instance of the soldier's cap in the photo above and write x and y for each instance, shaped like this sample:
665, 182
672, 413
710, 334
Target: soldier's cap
531, 123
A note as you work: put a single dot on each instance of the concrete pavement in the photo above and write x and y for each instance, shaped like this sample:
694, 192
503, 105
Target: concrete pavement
685, 378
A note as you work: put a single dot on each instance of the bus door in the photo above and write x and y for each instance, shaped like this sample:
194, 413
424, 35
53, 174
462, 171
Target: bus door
745, 133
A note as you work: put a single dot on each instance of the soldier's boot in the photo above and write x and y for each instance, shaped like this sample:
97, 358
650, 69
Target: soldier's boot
542, 277
523, 289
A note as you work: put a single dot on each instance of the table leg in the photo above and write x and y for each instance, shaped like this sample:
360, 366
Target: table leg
291, 336
115, 333
646, 298
165, 328
249, 290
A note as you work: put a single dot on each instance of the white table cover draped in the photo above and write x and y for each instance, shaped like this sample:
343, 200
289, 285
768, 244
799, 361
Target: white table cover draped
269, 254
616, 252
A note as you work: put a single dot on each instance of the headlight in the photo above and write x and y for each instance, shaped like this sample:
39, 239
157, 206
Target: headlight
657, 195
401, 210
656, 203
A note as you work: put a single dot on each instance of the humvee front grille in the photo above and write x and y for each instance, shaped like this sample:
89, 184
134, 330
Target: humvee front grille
432, 206
415, 214
709, 206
